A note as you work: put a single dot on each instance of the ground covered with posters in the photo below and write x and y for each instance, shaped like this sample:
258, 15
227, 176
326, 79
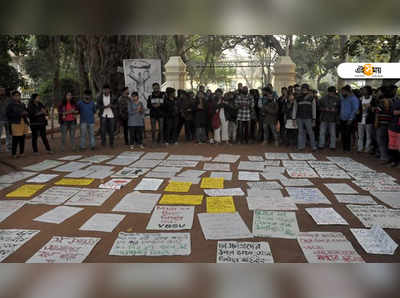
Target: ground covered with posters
199, 203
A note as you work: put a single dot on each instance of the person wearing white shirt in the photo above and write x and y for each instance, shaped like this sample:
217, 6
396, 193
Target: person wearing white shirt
108, 112
365, 120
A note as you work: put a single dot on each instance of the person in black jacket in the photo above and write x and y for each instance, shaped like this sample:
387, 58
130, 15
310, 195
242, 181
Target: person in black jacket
37, 115
231, 111
155, 103
107, 106
17, 115
171, 116
201, 117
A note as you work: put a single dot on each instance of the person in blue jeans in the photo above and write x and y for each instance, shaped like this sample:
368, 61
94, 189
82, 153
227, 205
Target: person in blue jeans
305, 113
135, 121
349, 105
87, 110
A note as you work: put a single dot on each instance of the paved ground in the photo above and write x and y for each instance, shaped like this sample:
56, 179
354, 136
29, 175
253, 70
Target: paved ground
202, 251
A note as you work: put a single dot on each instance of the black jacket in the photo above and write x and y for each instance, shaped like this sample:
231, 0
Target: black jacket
171, 108
113, 103
14, 112
33, 110
156, 112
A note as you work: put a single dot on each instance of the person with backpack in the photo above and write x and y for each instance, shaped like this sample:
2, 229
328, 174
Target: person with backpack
38, 122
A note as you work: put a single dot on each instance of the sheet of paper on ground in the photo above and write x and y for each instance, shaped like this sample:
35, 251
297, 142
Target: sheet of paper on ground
221, 226
90, 197
326, 216
55, 195
149, 184
13, 239
275, 224
244, 252
102, 222
327, 247
9, 207
220, 205
375, 240
25, 191
171, 218
137, 202
65, 250
181, 199
58, 214
152, 244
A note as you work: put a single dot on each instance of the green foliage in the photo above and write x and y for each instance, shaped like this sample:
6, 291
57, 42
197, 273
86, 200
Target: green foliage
45, 89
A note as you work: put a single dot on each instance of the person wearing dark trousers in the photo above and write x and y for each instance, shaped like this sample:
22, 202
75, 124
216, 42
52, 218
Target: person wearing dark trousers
37, 116
107, 106
181, 121
282, 100
135, 121
123, 102
67, 112
171, 113
200, 118
384, 115
155, 103
17, 115
188, 108
87, 110
349, 105
245, 104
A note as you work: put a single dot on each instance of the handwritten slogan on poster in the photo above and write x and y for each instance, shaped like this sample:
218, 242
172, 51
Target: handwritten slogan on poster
244, 252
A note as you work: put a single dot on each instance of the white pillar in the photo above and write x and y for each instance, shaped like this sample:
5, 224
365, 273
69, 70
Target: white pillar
175, 73
284, 73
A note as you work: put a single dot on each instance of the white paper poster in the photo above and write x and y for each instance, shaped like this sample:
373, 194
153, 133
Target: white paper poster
193, 180
244, 252
55, 195
102, 222
226, 158
90, 197
264, 185
44, 165
155, 155
137, 202
276, 155
188, 157
122, 161
340, 188
326, 216
4, 186
327, 247
164, 175
302, 156
167, 169
251, 165
302, 172
65, 250
9, 207
191, 173
149, 184
70, 157
226, 192
152, 244
11, 240
296, 182
116, 183
145, 163
97, 158
275, 224
257, 203
71, 166
129, 172
220, 226
179, 163
356, 199
14, 177
390, 198
303, 195
226, 175
379, 215
217, 167
58, 214
248, 176
42, 178
375, 241
171, 218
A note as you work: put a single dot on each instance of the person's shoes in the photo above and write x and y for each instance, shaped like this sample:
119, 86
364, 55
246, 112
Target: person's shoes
132, 147
141, 147
176, 143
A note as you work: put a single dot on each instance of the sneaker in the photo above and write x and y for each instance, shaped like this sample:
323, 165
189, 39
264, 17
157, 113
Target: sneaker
176, 143
141, 147
132, 147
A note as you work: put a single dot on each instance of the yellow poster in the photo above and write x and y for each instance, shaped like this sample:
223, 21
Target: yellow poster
25, 191
71, 181
181, 199
175, 186
220, 205
212, 183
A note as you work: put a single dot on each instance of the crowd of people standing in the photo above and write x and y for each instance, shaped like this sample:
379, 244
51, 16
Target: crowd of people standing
367, 119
